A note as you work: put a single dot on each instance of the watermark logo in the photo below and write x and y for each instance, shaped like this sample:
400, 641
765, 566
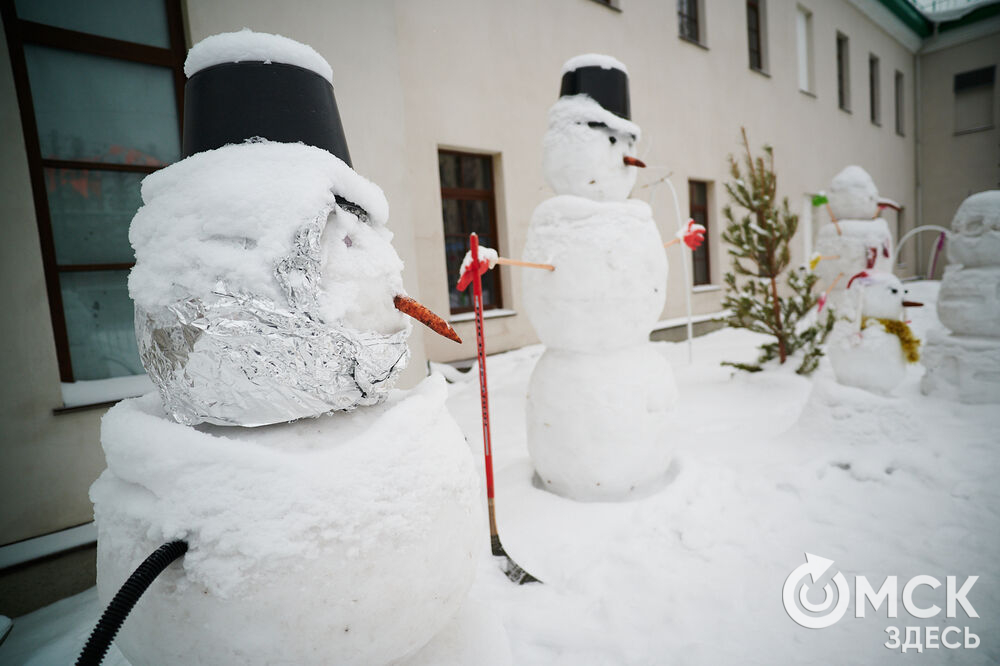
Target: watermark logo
795, 594
816, 596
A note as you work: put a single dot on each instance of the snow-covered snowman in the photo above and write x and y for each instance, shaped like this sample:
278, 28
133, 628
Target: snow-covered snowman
872, 351
600, 397
267, 291
964, 360
856, 238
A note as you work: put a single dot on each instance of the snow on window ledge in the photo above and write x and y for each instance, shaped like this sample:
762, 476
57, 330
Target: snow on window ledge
101, 391
488, 314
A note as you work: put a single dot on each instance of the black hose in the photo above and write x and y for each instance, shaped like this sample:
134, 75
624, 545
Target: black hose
119, 608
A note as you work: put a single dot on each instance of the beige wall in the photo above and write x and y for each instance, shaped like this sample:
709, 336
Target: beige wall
955, 166
415, 75
494, 70
47, 461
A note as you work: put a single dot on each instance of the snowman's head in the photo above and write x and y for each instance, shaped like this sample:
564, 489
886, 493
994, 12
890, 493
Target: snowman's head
883, 296
853, 195
589, 151
976, 227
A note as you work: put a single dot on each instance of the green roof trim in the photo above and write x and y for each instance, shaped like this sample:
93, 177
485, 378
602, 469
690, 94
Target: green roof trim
979, 14
910, 16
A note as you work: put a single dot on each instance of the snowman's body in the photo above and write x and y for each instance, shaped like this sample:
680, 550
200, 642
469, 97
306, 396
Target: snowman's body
600, 396
963, 360
863, 241
866, 352
264, 289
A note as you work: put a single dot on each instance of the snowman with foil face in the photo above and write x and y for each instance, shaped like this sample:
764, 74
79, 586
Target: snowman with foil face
594, 312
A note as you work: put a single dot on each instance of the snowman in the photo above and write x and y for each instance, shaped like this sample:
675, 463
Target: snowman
600, 397
856, 238
872, 351
964, 359
267, 291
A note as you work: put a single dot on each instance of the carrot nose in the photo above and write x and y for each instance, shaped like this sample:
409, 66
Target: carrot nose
632, 161
912, 304
423, 314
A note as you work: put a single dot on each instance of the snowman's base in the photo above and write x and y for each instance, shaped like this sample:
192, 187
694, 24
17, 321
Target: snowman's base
962, 368
351, 538
598, 425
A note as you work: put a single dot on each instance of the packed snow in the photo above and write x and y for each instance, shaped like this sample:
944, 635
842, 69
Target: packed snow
328, 521
766, 467
853, 195
593, 60
248, 46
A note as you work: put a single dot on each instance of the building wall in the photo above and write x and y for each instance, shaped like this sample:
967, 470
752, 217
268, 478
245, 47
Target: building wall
953, 166
494, 70
416, 75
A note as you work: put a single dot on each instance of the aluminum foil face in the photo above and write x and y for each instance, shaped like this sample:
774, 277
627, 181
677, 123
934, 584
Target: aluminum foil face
239, 358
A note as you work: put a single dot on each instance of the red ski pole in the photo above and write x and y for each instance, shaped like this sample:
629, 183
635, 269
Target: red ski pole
511, 568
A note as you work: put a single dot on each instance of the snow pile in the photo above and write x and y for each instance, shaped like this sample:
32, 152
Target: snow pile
584, 147
487, 254
249, 46
593, 60
358, 531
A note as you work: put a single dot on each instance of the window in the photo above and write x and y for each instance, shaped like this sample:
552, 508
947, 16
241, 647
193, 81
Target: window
757, 35
874, 93
698, 198
843, 73
974, 100
100, 89
688, 17
899, 102
804, 44
467, 205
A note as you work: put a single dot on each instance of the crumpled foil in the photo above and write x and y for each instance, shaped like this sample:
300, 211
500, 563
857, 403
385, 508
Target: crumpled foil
238, 358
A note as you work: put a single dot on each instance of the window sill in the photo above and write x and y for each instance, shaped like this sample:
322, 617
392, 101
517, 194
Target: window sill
695, 42
845, 109
762, 72
876, 123
902, 134
808, 93
973, 130
488, 314
97, 393
699, 288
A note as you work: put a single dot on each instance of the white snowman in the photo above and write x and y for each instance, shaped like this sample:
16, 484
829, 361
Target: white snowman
856, 239
872, 351
964, 359
267, 290
600, 397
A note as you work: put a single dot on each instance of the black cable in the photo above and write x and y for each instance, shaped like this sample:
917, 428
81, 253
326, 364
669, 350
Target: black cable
119, 608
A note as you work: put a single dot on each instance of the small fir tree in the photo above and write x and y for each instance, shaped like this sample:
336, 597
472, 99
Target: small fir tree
758, 243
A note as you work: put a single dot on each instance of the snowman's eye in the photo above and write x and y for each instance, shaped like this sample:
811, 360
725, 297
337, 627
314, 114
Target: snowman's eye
593, 124
612, 139
894, 290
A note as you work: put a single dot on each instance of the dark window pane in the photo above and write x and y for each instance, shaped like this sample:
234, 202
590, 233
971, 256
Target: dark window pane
452, 217
99, 324
103, 110
448, 169
91, 211
141, 21
698, 192
476, 217
476, 172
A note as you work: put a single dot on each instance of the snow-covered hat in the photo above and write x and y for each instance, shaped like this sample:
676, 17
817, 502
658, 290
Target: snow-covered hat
601, 77
247, 84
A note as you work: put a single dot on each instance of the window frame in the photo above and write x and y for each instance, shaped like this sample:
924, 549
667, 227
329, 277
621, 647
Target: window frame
682, 17
874, 90
21, 32
899, 92
759, 9
471, 194
843, 72
968, 81
704, 209
805, 49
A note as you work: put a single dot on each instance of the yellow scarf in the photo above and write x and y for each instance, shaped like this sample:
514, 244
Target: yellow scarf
909, 343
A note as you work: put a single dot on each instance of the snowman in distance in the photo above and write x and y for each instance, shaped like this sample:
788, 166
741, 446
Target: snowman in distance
856, 238
872, 351
600, 397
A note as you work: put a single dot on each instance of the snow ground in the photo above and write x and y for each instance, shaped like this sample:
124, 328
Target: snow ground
765, 470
